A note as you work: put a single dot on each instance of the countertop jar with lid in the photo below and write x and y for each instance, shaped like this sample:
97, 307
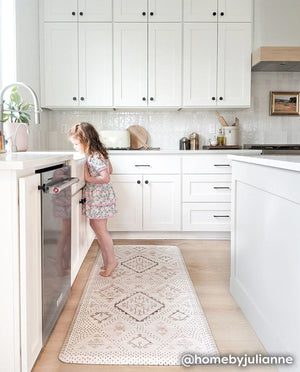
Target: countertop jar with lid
194, 141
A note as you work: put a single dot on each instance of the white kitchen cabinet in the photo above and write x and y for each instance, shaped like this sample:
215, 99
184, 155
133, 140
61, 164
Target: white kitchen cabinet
206, 192
79, 241
164, 68
151, 10
147, 65
148, 193
77, 10
30, 270
234, 61
161, 203
129, 192
130, 64
217, 11
217, 65
76, 65
200, 64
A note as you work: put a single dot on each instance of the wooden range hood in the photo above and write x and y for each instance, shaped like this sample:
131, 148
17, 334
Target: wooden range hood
276, 59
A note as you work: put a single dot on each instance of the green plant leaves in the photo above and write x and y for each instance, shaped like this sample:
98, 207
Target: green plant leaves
15, 110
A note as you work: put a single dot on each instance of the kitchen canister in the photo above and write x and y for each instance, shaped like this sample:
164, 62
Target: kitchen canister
231, 134
194, 141
184, 144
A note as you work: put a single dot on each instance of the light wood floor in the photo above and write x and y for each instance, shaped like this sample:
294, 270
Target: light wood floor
208, 263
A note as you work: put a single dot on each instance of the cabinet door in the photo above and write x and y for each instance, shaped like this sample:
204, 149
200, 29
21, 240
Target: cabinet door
234, 64
128, 191
200, 11
130, 10
161, 203
59, 11
94, 10
165, 10
235, 11
60, 65
200, 64
164, 78
78, 235
95, 64
130, 64
30, 270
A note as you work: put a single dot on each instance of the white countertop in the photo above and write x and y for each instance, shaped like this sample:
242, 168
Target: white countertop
290, 162
29, 159
36, 159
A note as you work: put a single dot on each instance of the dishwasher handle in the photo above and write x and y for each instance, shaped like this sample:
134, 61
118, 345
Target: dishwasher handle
56, 188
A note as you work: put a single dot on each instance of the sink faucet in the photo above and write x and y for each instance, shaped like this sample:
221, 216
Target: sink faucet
36, 109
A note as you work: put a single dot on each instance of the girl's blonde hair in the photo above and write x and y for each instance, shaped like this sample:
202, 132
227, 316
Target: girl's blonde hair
89, 137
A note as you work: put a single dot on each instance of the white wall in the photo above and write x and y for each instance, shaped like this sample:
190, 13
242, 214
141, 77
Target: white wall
276, 23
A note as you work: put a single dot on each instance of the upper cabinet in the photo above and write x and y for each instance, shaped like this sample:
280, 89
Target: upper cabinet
147, 10
76, 61
147, 65
217, 53
217, 10
77, 10
145, 53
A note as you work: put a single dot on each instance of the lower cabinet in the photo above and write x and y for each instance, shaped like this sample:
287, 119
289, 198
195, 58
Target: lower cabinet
30, 270
206, 193
147, 203
82, 235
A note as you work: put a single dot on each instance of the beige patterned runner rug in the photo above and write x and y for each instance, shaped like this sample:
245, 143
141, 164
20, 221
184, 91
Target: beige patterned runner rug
147, 313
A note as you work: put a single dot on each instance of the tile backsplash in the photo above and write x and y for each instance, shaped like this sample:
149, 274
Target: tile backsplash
165, 128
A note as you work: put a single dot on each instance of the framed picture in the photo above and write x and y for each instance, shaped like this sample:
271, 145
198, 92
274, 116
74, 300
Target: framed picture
284, 103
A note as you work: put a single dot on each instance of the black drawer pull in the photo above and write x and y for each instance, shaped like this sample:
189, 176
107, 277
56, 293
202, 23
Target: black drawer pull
221, 215
221, 165
142, 165
222, 187
82, 201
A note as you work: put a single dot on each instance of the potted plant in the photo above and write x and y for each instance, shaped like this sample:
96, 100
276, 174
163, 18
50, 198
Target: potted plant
16, 120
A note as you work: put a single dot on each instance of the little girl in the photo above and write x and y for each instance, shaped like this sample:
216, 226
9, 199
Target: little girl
100, 197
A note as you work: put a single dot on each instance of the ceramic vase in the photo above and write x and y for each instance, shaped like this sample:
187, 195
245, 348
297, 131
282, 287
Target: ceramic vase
21, 137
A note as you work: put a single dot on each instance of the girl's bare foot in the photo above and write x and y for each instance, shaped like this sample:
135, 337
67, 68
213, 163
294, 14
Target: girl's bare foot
109, 269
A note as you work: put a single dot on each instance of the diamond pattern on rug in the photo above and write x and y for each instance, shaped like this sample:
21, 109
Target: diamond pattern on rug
146, 313
139, 306
139, 264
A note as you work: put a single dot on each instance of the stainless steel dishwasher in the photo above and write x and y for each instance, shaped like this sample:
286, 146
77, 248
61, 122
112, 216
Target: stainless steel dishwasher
56, 242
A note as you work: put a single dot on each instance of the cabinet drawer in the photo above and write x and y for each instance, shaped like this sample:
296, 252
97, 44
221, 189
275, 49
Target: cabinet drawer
134, 164
77, 170
206, 217
206, 188
206, 164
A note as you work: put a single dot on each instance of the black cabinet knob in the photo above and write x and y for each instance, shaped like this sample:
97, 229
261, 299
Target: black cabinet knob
81, 98
221, 98
81, 13
213, 98
151, 13
138, 182
74, 99
144, 13
151, 99
146, 182
221, 14
214, 13
144, 98
73, 13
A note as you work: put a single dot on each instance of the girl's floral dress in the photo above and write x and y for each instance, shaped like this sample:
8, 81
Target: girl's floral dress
100, 197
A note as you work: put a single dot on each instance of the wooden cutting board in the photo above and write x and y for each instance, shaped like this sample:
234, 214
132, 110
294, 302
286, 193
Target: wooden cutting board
138, 137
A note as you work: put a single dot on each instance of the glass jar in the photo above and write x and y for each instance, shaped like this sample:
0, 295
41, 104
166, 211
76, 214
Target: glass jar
220, 138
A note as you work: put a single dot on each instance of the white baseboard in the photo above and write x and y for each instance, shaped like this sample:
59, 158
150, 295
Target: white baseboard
202, 235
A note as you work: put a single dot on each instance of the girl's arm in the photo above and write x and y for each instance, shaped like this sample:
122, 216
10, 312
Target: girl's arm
102, 178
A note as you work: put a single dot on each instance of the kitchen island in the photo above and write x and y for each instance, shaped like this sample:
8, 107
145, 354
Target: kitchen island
265, 254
